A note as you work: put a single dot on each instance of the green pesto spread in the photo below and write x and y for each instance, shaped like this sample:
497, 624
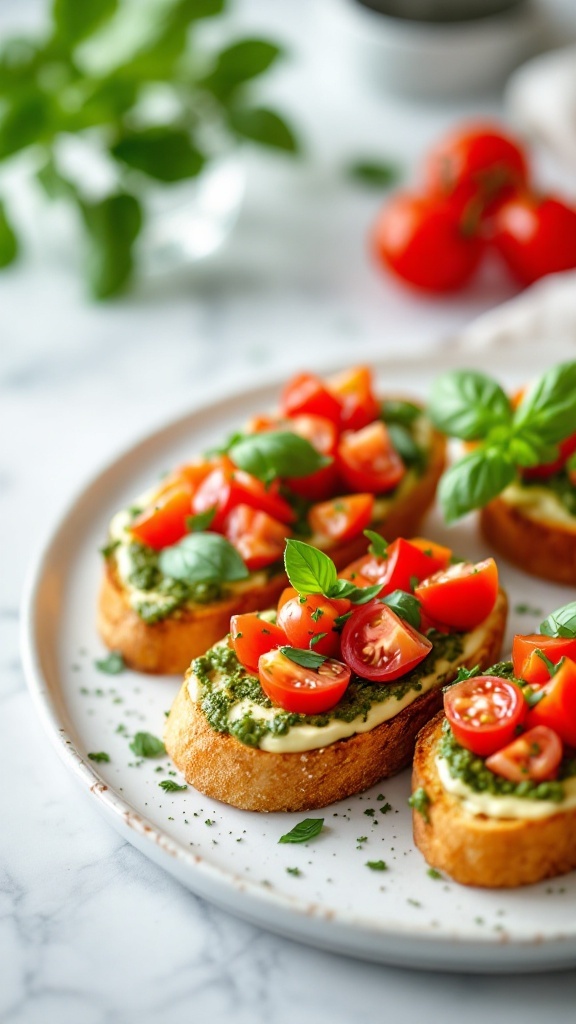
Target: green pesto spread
146, 575
472, 770
359, 697
561, 486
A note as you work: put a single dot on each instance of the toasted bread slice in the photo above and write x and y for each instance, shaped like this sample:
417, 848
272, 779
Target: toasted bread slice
539, 547
167, 647
478, 850
256, 780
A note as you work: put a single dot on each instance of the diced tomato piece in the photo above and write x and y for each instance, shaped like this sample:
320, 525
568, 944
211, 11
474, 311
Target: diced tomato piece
354, 390
342, 518
260, 424
252, 636
227, 487
536, 755
304, 691
566, 448
188, 475
164, 522
557, 708
529, 666
378, 645
438, 554
306, 393
303, 619
462, 596
258, 538
365, 571
484, 713
368, 461
322, 434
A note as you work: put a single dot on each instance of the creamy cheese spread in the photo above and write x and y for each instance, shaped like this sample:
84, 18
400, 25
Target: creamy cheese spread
504, 806
540, 504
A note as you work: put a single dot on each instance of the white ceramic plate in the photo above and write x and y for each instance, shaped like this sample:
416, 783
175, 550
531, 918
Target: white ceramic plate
401, 915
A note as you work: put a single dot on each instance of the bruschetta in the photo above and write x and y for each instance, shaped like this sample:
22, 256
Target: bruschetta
320, 698
494, 778
207, 542
520, 470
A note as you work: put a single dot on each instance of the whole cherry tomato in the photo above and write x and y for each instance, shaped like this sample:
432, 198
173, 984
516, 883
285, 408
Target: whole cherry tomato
304, 618
429, 243
252, 636
475, 161
535, 236
305, 691
461, 596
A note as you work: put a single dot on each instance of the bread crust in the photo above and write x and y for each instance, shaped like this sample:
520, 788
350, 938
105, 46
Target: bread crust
167, 647
476, 850
224, 769
537, 547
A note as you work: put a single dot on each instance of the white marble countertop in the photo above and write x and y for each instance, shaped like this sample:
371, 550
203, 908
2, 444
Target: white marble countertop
91, 931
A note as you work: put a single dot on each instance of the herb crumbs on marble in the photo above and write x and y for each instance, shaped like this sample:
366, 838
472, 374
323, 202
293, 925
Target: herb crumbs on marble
294, 871
169, 786
433, 873
100, 757
209, 821
377, 865
369, 812
145, 744
384, 810
413, 903
112, 665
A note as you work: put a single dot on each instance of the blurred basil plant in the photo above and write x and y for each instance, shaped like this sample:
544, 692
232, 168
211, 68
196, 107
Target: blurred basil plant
98, 72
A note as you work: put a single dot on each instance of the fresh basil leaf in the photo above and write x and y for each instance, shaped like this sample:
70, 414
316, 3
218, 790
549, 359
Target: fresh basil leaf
100, 757
562, 622
473, 481
357, 595
303, 831
239, 63
549, 406
55, 185
396, 410
161, 152
263, 126
309, 570
203, 558
169, 786
113, 225
102, 103
8, 240
76, 19
378, 546
201, 521
374, 173
19, 58
112, 665
410, 452
405, 605
277, 453
225, 447
145, 744
306, 659
28, 117
468, 404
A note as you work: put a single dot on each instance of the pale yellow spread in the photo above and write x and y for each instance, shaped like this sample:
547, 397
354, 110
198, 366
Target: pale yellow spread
539, 504
509, 806
300, 738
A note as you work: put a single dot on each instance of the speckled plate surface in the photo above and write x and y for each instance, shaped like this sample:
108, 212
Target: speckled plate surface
321, 893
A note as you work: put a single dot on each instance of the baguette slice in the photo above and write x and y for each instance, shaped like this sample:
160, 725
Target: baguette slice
168, 647
220, 766
541, 548
478, 850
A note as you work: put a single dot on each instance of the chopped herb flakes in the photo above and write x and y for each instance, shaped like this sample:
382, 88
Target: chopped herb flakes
112, 665
145, 744
294, 871
377, 865
101, 757
169, 786
420, 802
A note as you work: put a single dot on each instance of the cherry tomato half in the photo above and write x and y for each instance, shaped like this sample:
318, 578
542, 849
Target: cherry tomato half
227, 487
367, 460
439, 555
557, 708
304, 618
529, 666
461, 596
306, 393
259, 538
378, 645
536, 755
305, 691
484, 713
354, 390
164, 522
475, 160
252, 636
427, 242
535, 236
342, 518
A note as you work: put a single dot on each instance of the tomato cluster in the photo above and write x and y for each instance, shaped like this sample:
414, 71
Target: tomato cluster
340, 418
370, 640
521, 730
477, 195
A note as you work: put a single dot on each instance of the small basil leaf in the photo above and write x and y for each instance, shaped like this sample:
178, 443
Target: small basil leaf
113, 224
239, 63
8, 240
169, 786
357, 595
27, 118
473, 481
145, 744
112, 665
562, 622
203, 558
309, 570
277, 453
201, 521
467, 404
379, 546
263, 126
161, 152
306, 659
303, 831
405, 605
549, 406
396, 410
374, 173
74, 20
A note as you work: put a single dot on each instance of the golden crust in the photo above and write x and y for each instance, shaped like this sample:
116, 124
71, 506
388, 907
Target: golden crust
255, 780
477, 850
168, 647
537, 547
